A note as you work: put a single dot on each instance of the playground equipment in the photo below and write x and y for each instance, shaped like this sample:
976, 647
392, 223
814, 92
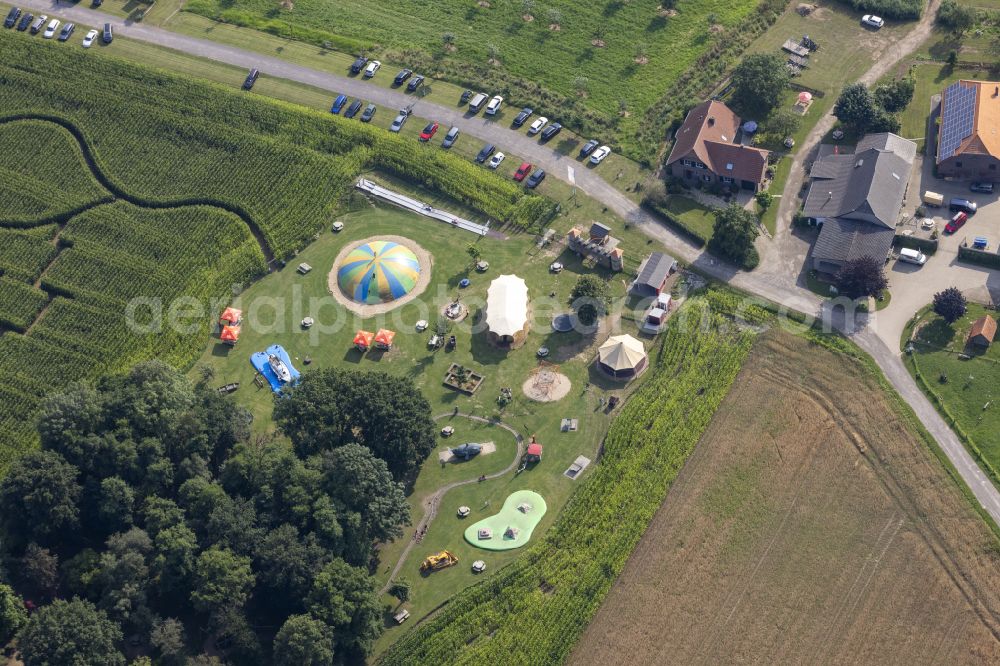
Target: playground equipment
438, 561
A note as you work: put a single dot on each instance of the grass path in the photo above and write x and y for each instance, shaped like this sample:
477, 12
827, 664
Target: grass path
433, 502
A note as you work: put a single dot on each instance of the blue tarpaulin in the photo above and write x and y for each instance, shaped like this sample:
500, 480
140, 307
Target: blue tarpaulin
259, 361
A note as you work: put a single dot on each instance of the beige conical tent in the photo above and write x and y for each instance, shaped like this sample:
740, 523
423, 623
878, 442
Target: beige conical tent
507, 310
622, 356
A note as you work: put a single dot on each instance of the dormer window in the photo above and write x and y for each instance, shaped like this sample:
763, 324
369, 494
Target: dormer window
729, 166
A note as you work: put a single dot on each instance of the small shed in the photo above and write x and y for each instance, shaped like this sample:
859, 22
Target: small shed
982, 332
653, 274
383, 339
363, 340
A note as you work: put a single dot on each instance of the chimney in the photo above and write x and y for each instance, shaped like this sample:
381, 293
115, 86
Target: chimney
996, 91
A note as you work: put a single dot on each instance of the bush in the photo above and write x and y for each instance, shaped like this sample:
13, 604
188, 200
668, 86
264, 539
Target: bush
892, 9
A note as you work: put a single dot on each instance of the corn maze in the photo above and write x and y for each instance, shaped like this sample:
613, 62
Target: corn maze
184, 190
535, 609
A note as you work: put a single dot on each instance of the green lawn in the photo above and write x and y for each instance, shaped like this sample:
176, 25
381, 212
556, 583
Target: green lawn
295, 296
930, 79
966, 390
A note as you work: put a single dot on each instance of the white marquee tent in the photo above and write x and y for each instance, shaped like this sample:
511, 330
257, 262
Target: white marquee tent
507, 308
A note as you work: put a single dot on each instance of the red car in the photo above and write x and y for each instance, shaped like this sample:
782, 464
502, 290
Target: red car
429, 132
522, 171
956, 223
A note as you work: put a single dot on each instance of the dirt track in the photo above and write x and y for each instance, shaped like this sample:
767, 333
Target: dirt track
809, 526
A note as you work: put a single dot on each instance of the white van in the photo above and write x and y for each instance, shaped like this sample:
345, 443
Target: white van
494, 105
477, 102
912, 256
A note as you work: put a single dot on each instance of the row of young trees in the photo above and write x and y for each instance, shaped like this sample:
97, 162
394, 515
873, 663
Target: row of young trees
151, 512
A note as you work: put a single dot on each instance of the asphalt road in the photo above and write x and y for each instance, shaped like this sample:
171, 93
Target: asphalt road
778, 286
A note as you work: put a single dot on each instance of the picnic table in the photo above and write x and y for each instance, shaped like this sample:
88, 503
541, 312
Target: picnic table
795, 48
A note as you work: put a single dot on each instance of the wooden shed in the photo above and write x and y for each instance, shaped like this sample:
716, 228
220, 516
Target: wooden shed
982, 332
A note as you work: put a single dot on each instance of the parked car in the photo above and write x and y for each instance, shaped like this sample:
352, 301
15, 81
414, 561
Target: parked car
67, 32
965, 205
982, 188
912, 256
956, 223
372, 67
353, 109
599, 155
338, 104
25, 22
551, 131
537, 126
980, 243
487, 150
251, 78
358, 65
368, 113
537, 176
402, 76
96, 3
89, 38
450, 138
50, 29
414, 83
12, 16
589, 147
466, 96
107, 36
523, 171
523, 116
39, 22
429, 131
477, 101
872, 21
400, 120
496, 160
494, 105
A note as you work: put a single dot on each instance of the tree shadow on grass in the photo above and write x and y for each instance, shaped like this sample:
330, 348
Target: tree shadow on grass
938, 333
566, 146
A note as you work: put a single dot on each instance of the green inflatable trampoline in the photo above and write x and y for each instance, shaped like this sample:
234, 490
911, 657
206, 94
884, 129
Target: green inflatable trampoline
512, 526
378, 272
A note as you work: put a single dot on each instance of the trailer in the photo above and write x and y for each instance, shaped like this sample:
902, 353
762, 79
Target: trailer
933, 198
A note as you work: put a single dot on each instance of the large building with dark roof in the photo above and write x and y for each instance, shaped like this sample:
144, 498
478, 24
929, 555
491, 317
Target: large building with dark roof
856, 198
968, 141
705, 150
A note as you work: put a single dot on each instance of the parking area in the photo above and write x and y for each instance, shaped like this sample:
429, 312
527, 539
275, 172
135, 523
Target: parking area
913, 286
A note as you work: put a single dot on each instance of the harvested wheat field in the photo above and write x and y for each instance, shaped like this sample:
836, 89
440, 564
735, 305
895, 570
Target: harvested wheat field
811, 524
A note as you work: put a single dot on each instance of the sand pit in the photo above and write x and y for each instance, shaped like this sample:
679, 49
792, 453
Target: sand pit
546, 386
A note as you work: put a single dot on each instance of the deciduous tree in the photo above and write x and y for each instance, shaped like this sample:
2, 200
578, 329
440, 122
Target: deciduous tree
861, 277
759, 81
70, 632
590, 299
950, 304
735, 231
303, 641
331, 407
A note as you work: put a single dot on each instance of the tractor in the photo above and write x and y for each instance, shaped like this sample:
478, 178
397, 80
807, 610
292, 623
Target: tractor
438, 561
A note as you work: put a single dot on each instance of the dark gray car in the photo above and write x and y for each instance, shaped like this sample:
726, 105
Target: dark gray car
367, 114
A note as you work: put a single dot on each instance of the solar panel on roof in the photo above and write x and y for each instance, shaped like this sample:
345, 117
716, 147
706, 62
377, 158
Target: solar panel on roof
958, 117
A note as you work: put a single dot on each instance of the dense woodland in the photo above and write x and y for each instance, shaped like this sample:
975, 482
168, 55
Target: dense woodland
151, 518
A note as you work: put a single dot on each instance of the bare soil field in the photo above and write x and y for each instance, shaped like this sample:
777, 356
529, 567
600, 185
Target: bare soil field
812, 524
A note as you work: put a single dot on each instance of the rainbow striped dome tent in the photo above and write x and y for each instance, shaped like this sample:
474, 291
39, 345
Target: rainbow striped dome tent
378, 272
